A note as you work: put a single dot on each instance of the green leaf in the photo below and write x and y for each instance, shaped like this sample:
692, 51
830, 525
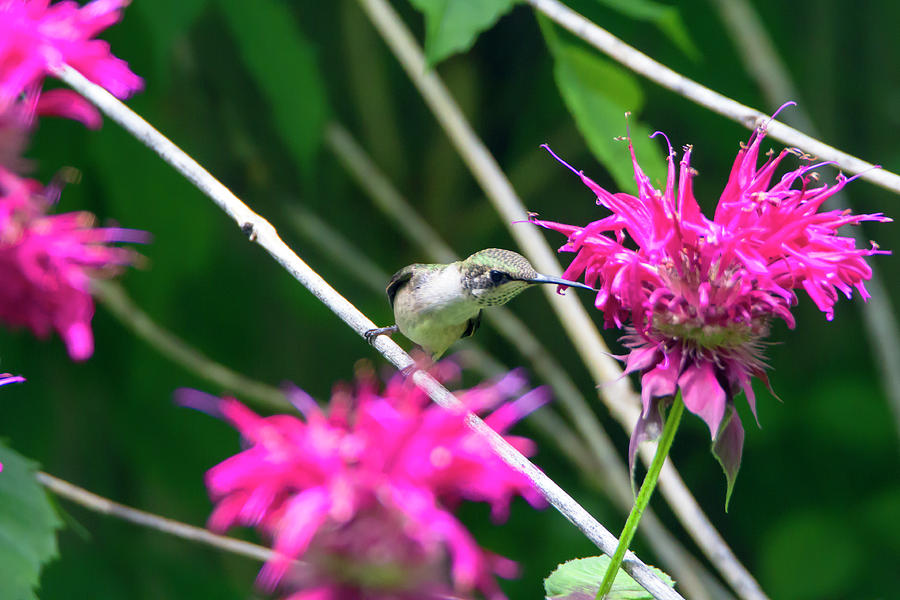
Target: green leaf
580, 578
598, 93
666, 18
167, 20
284, 65
28, 527
451, 26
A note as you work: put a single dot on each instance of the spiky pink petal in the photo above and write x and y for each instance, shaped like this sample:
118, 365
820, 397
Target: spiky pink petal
69, 104
703, 395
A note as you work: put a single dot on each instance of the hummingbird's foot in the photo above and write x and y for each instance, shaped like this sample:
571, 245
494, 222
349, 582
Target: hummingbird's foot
371, 334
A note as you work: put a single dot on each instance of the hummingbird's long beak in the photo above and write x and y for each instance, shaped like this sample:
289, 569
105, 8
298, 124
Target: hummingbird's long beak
559, 281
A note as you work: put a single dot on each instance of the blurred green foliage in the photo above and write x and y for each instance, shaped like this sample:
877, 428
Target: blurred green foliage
817, 503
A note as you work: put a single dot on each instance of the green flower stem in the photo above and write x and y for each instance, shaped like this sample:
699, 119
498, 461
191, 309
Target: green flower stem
662, 451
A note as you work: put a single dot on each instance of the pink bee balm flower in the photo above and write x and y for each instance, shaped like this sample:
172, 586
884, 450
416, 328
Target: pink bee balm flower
364, 494
47, 262
37, 38
699, 294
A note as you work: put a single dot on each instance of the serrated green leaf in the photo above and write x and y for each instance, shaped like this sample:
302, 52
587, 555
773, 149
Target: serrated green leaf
666, 18
283, 63
28, 527
598, 93
579, 579
452, 26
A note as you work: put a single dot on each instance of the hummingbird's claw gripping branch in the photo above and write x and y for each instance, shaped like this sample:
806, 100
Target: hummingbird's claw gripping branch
371, 334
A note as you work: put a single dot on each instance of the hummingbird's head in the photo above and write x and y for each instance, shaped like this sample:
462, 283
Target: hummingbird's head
494, 276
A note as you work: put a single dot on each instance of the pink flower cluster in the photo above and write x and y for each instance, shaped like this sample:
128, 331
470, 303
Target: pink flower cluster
698, 294
364, 494
37, 38
47, 262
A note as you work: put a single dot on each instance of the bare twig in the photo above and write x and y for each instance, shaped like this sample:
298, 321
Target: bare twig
114, 298
761, 60
144, 519
748, 117
615, 390
260, 231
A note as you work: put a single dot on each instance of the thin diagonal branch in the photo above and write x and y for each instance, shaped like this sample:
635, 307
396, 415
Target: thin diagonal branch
748, 117
260, 231
756, 49
615, 390
114, 298
144, 519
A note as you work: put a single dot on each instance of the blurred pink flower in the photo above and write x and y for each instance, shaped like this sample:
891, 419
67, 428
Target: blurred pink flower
6, 379
364, 494
47, 262
37, 38
698, 295
18, 120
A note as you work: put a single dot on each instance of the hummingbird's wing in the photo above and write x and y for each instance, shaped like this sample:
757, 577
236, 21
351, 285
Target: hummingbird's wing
472, 325
399, 279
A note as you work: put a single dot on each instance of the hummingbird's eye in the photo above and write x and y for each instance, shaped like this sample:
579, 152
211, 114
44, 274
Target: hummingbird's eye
497, 276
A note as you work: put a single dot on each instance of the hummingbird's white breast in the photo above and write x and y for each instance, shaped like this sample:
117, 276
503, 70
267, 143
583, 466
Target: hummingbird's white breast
433, 308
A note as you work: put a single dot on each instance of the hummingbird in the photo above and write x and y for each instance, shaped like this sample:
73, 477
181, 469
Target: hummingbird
435, 305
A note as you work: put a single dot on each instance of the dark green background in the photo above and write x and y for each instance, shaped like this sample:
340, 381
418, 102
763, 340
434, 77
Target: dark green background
816, 510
